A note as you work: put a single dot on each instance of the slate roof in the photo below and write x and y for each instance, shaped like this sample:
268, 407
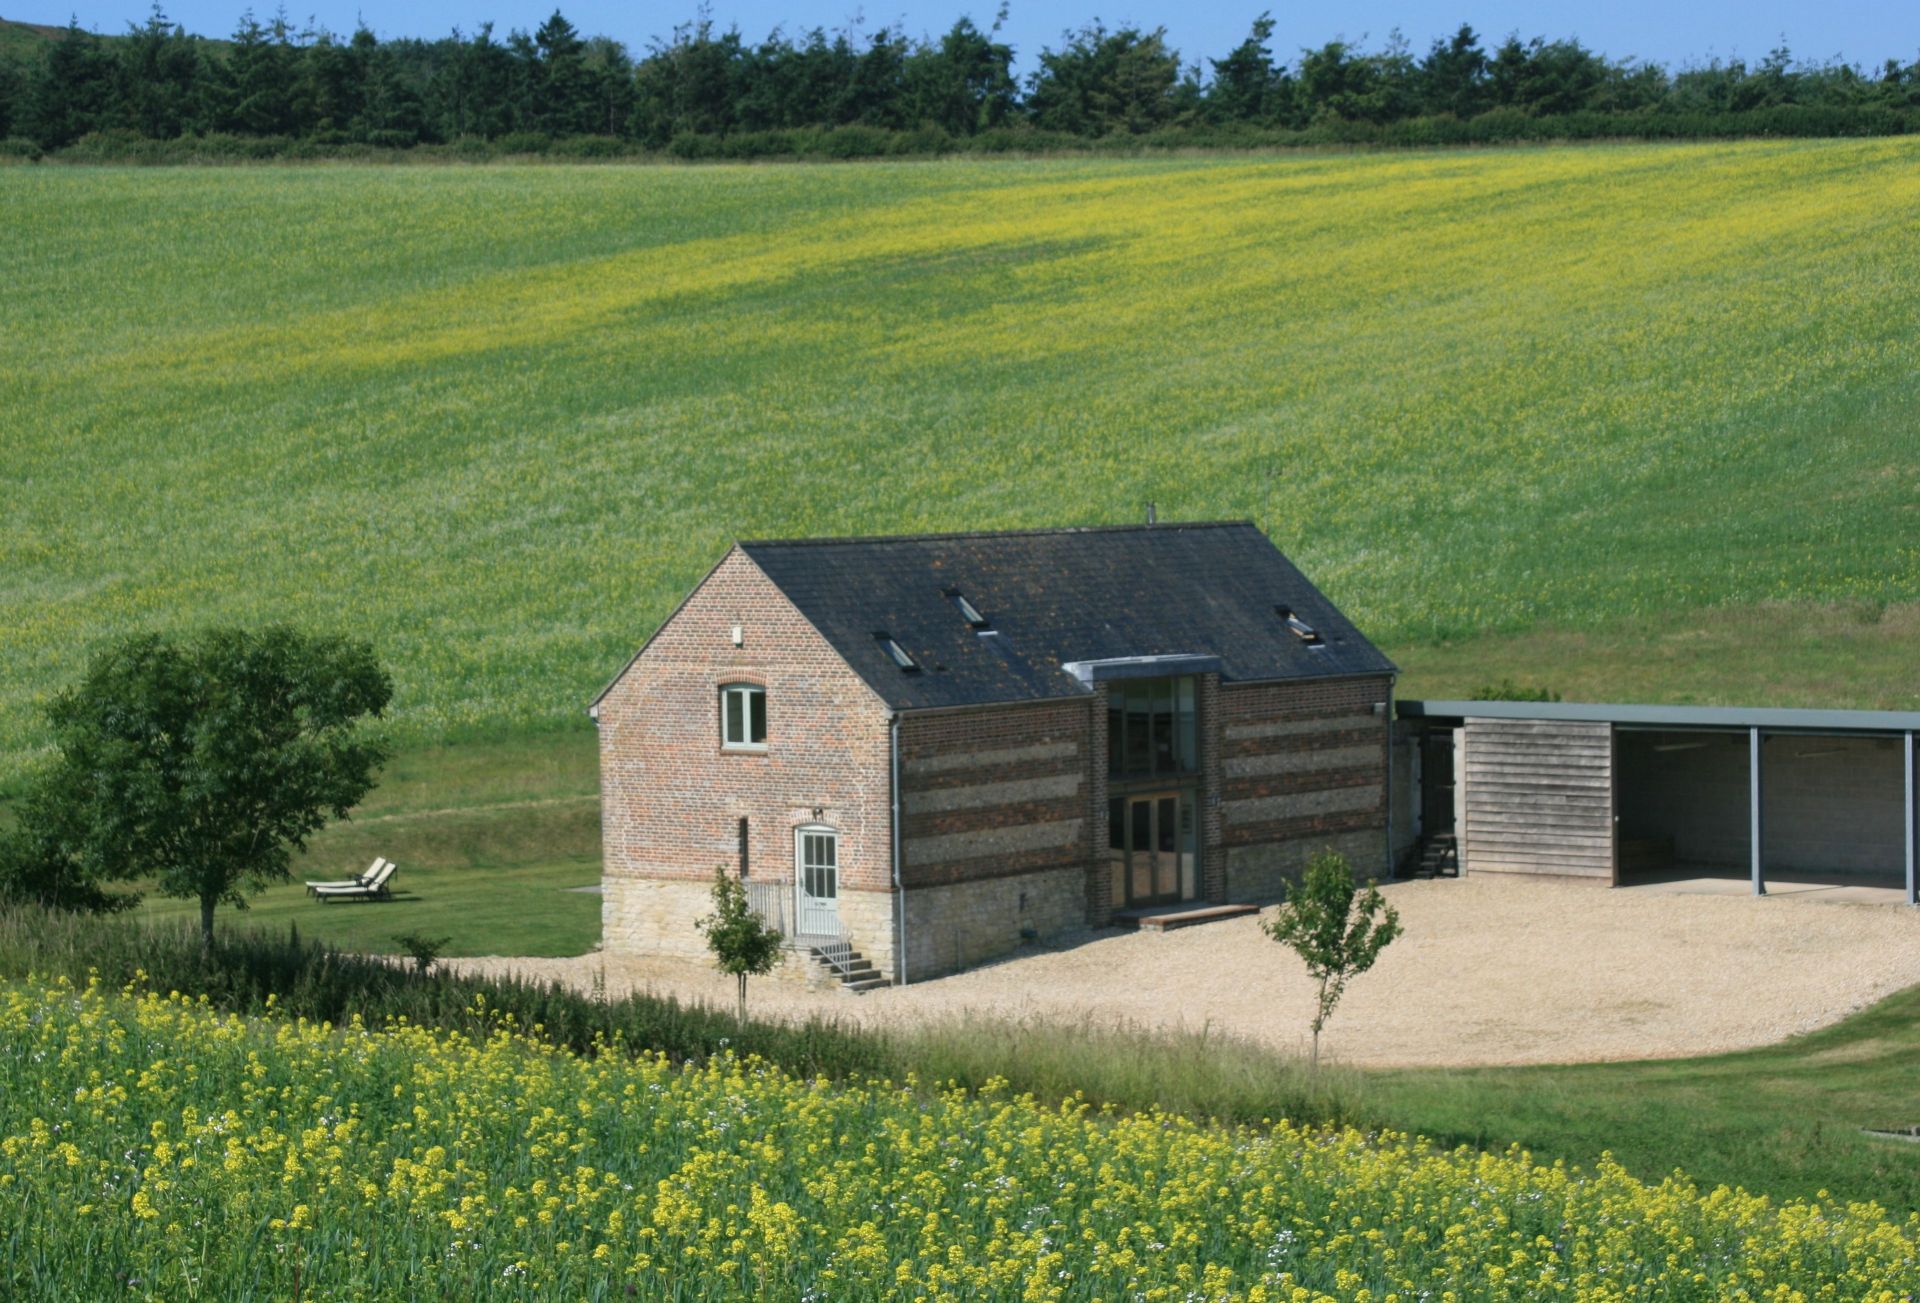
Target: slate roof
1055, 596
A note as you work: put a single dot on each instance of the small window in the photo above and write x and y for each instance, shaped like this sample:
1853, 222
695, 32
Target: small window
1305, 632
968, 611
743, 847
743, 715
896, 651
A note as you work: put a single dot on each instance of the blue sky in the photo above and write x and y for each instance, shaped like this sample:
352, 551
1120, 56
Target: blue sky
1860, 31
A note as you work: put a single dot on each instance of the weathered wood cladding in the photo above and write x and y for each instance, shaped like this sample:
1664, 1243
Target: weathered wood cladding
1539, 797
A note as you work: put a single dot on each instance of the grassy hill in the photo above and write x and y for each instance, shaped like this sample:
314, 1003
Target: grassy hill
21, 43
1627, 421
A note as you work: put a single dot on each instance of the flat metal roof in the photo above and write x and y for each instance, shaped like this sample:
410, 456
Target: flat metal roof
1141, 667
1676, 717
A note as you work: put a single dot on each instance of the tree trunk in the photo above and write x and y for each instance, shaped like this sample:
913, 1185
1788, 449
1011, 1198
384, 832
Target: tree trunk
1319, 1021
743, 998
206, 921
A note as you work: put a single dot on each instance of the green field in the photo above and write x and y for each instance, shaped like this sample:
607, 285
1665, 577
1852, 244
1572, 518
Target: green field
1649, 407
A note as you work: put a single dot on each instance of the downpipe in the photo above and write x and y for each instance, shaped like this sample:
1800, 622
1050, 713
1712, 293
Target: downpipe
899, 892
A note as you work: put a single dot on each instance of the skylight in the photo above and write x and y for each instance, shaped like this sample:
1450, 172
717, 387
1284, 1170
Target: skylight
1305, 632
896, 651
968, 611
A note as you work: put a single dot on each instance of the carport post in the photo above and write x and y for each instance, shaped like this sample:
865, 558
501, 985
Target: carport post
1753, 814
1913, 828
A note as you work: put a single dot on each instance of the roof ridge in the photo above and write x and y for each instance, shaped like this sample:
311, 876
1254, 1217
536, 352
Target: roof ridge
1168, 526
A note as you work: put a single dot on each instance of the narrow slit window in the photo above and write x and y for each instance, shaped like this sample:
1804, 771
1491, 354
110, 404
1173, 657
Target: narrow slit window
896, 651
1300, 629
743, 847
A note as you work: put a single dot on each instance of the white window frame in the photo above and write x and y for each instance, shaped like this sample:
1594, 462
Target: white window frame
746, 692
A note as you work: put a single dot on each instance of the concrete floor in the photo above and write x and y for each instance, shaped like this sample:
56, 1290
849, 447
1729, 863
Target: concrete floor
1687, 881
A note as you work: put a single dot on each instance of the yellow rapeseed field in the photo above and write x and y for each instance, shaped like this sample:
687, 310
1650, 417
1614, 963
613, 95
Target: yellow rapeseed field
500, 419
152, 1148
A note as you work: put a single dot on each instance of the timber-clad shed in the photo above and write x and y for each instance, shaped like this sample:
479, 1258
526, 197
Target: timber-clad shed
1627, 793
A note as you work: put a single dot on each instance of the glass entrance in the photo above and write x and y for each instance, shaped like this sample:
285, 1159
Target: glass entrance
1151, 841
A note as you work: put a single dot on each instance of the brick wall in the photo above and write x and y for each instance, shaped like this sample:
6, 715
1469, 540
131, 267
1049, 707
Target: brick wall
672, 797
1303, 767
994, 806
989, 793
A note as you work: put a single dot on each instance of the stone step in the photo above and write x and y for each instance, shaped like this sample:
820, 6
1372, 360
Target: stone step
1167, 919
856, 974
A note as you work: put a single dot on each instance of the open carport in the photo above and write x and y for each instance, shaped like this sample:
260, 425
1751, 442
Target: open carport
1712, 797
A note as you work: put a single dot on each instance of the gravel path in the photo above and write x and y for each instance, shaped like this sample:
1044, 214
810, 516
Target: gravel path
1490, 971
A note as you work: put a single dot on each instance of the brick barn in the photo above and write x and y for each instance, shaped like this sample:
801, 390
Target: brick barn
920, 752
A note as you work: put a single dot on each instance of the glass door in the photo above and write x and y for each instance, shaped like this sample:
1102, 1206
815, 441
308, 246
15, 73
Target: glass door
816, 880
1152, 848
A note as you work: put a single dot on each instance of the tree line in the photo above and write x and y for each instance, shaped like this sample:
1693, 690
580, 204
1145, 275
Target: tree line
702, 87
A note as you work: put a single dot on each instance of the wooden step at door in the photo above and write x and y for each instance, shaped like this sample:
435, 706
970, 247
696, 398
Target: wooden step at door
1168, 917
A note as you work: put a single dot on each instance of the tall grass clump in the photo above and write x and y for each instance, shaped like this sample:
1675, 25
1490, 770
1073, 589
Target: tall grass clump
1192, 1072
1196, 1074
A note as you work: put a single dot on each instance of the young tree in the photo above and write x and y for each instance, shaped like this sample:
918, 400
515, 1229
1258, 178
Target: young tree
204, 762
1338, 936
743, 943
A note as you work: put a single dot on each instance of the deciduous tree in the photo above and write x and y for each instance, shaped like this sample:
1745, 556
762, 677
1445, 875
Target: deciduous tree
1337, 929
202, 763
743, 944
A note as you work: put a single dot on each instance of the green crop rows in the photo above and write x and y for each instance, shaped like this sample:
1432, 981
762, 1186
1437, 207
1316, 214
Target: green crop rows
500, 419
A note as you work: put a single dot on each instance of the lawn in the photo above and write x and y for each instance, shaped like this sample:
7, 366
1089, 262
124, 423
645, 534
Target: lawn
522, 909
492, 839
1786, 1119
501, 419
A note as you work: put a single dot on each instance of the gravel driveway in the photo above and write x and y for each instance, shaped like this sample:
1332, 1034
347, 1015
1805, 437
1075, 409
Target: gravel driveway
1490, 971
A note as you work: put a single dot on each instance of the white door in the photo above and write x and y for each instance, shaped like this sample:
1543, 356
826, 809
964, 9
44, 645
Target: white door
816, 880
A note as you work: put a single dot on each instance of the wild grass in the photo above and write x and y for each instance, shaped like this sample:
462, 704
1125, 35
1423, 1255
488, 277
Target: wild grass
1785, 1120
500, 420
250, 970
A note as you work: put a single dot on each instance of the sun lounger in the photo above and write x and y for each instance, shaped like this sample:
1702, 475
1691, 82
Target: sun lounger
374, 888
378, 863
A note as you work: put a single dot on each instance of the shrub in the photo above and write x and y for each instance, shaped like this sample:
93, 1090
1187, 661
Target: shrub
856, 142
524, 142
1508, 690
591, 147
